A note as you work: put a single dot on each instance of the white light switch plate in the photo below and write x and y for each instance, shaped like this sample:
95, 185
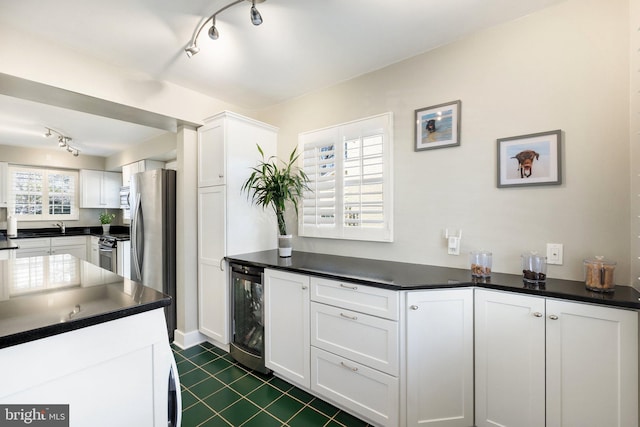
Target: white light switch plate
554, 253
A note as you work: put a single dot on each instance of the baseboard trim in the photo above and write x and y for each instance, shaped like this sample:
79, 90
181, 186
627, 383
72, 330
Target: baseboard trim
189, 339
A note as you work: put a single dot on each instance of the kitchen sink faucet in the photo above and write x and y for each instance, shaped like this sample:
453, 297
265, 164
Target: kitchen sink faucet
61, 226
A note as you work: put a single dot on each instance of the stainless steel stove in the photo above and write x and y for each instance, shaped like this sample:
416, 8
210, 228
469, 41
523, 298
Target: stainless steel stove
108, 246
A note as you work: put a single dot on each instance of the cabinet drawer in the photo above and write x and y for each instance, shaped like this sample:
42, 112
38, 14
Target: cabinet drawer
33, 243
365, 299
365, 339
364, 391
68, 241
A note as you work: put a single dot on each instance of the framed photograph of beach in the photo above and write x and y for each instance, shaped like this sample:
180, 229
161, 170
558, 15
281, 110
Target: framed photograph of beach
532, 159
437, 126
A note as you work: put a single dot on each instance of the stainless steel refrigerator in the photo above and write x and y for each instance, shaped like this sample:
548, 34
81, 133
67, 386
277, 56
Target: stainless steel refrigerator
153, 234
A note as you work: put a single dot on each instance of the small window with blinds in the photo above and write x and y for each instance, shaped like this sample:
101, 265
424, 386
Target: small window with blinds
350, 190
43, 194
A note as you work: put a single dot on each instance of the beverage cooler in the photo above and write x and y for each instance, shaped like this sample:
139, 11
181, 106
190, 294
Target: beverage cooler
247, 344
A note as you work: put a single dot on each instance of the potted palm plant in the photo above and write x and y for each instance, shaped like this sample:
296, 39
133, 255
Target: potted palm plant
276, 184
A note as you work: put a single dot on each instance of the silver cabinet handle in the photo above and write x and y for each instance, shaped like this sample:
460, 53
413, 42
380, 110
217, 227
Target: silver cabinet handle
354, 369
220, 175
221, 264
537, 314
353, 288
304, 288
349, 317
553, 317
413, 307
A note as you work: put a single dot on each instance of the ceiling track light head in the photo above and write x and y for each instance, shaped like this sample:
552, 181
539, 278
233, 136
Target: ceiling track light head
256, 19
213, 31
63, 141
192, 49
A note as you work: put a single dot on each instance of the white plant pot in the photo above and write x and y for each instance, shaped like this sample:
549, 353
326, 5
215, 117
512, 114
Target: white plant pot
105, 228
284, 245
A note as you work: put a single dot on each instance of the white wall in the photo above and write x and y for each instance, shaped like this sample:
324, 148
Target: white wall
565, 67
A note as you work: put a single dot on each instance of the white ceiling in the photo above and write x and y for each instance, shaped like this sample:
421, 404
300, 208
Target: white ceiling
302, 46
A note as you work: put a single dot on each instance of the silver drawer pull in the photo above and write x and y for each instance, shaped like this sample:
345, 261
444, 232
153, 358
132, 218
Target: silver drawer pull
349, 367
353, 288
349, 317
537, 314
413, 307
553, 317
304, 288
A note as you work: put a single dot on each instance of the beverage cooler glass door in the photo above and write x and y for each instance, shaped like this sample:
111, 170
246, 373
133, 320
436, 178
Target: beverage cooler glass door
248, 317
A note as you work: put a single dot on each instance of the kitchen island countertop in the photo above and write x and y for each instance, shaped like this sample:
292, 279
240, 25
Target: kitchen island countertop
50, 295
406, 276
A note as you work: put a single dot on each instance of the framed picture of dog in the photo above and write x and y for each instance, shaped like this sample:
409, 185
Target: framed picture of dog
532, 159
438, 126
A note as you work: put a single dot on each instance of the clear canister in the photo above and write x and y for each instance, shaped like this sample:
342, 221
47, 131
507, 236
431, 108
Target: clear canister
534, 267
598, 273
480, 263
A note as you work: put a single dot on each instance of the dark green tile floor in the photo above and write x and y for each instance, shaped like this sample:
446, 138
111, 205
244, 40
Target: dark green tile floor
217, 391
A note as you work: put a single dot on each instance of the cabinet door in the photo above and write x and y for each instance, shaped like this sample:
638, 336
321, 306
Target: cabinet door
78, 251
592, 366
439, 335
99, 189
211, 154
4, 184
111, 189
286, 328
94, 254
509, 359
213, 289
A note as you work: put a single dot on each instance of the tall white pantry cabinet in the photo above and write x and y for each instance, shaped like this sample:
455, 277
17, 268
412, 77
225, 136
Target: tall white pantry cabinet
228, 223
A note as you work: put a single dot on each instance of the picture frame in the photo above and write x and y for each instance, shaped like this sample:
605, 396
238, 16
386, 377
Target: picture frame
529, 160
437, 126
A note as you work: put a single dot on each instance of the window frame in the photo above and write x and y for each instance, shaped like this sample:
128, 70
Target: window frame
74, 213
313, 202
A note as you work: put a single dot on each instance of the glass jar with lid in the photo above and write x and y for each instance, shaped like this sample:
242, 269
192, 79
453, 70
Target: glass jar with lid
598, 273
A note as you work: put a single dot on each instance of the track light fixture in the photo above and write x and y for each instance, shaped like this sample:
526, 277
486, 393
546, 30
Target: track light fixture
63, 141
256, 19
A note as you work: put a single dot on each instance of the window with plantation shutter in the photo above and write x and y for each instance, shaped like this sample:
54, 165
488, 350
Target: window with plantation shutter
350, 172
43, 194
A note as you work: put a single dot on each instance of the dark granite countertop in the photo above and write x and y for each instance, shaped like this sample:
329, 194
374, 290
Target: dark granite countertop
6, 243
406, 276
50, 295
34, 233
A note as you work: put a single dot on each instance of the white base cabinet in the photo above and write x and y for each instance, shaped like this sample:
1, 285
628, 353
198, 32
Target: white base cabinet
553, 363
72, 245
364, 391
286, 326
111, 374
592, 365
509, 360
439, 340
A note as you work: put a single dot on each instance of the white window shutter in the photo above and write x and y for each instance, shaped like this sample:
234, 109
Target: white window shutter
350, 172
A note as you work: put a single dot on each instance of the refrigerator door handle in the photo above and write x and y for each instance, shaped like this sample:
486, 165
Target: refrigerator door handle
135, 250
174, 402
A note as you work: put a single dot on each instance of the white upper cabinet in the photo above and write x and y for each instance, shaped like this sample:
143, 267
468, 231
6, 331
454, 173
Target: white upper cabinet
100, 189
4, 184
211, 159
140, 166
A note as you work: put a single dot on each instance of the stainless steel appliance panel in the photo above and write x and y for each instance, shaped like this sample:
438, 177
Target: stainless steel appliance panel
153, 234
